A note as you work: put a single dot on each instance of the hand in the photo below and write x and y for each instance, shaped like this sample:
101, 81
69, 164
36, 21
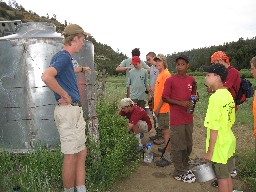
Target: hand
156, 112
208, 156
87, 70
65, 100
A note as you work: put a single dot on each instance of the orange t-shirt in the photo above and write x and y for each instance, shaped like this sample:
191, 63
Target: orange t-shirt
159, 87
254, 112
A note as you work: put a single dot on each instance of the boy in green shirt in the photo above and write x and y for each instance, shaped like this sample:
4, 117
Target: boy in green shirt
220, 116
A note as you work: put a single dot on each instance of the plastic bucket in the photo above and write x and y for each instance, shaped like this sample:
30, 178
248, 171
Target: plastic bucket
204, 172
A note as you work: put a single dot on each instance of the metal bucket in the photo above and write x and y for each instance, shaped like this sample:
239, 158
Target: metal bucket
204, 172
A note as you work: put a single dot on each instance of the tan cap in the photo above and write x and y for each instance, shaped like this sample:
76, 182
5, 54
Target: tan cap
160, 57
73, 29
125, 102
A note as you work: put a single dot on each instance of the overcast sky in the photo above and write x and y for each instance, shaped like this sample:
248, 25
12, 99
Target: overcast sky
162, 26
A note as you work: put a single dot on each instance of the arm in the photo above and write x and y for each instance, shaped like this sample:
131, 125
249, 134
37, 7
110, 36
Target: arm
49, 79
121, 69
158, 107
130, 126
123, 66
81, 69
213, 138
186, 104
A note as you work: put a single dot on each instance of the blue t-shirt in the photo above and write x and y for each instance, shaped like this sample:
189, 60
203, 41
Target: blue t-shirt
62, 62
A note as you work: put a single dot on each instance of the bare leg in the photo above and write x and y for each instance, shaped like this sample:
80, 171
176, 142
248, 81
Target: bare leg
80, 167
69, 170
225, 185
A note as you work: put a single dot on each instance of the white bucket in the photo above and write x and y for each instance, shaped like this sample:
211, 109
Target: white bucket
204, 172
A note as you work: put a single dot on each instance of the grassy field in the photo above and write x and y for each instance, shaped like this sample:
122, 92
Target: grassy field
41, 171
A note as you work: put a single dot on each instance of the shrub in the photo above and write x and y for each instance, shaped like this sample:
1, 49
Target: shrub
117, 148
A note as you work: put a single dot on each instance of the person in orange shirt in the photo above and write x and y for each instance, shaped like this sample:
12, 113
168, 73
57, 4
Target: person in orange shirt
253, 71
162, 109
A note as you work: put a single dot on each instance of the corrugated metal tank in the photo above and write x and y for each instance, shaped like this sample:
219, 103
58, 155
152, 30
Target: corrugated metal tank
27, 105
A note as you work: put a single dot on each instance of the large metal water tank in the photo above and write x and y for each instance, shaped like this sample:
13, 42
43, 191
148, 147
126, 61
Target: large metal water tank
26, 104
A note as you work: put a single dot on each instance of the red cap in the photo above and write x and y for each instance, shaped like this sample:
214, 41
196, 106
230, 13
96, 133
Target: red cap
135, 60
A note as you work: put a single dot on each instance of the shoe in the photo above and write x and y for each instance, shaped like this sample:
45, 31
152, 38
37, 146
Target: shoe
159, 141
140, 148
188, 177
215, 183
162, 162
161, 149
233, 173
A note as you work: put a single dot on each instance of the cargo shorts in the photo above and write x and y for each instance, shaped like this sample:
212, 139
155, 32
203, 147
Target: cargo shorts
143, 126
70, 123
222, 171
163, 120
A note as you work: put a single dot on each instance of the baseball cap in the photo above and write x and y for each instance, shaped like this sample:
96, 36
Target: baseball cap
219, 55
218, 69
73, 29
184, 57
135, 60
160, 57
125, 102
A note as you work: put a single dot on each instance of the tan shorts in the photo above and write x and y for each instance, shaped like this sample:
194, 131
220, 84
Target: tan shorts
70, 123
143, 126
222, 171
163, 120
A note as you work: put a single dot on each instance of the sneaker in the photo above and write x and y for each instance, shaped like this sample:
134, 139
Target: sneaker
233, 173
159, 141
162, 162
161, 149
215, 183
188, 177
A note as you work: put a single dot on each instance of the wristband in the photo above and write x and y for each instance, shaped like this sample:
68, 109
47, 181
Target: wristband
82, 69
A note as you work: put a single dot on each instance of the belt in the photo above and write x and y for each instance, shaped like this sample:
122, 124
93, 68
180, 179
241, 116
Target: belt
79, 104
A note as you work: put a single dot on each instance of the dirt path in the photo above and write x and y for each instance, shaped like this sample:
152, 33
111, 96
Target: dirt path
150, 178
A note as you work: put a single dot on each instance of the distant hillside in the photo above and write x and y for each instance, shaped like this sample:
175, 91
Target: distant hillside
104, 55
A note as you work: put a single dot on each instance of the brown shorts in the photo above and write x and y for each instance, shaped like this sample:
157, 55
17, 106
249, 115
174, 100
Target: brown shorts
71, 126
181, 137
222, 171
163, 120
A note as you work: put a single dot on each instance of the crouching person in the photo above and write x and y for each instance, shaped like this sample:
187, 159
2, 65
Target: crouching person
139, 121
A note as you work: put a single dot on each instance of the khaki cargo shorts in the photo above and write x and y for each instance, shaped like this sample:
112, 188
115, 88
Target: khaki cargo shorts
143, 126
70, 123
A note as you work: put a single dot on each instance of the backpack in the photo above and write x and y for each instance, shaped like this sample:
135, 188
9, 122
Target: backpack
245, 91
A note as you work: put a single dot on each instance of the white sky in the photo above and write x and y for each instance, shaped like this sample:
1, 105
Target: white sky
162, 26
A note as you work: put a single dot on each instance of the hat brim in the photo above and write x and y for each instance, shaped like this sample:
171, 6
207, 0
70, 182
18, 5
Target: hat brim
207, 68
180, 57
156, 59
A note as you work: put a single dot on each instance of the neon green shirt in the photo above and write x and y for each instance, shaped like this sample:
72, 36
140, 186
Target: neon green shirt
221, 116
